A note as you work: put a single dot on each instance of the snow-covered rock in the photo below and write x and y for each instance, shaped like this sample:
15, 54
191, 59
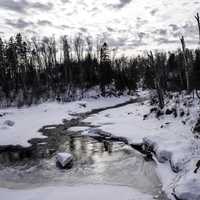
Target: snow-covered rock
188, 185
64, 159
9, 123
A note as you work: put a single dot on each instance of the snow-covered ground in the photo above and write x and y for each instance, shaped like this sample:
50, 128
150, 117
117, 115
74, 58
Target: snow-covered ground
177, 151
28, 120
85, 192
170, 137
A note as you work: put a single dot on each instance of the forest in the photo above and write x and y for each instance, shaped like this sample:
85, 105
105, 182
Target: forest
33, 70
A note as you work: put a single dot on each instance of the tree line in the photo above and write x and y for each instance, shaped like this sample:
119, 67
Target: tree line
32, 70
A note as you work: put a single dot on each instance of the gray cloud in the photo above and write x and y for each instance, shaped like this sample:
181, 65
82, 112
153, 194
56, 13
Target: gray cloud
84, 30
136, 43
44, 23
164, 40
190, 28
141, 35
140, 22
65, 1
119, 42
110, 29
174, 27
154, 11
19, 24
120, 5
160, 31
40, 6
23, 5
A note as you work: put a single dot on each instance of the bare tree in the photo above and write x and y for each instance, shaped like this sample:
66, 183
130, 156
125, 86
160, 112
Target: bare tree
67, 59
79, 47
89, 46
157, 78
185, 63
198, 23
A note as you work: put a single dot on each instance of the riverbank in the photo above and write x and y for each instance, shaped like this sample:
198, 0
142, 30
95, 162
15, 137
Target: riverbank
168, 137
27, 121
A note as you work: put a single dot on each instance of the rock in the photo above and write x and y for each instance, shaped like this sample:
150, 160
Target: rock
159, 113
174, 112
168, 112
197, 166
64, 160
9, 123
82, 105
108, 146
182, 113
187, 187
197, 127
145, 117
184, 122
58, 98
163, 155
154, 109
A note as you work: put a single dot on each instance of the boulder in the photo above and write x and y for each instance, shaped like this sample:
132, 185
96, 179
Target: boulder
159, 113
181, 112
9, 123
64, 160
168, 111
197, 127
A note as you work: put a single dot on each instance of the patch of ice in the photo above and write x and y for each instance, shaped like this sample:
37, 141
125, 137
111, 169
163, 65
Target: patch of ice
86, 192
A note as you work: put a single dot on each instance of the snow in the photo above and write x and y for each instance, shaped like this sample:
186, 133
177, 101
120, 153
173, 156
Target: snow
28, 120
171, 139
64, 158
86, 192
78, 128
177, 151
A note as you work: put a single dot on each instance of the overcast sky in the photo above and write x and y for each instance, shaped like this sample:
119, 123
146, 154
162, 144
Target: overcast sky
131, 25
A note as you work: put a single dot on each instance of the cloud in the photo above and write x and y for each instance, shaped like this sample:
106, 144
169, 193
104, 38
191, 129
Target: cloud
23, 5
141, 22
44, 23
120, 5
189, 28
174, 27
117, 42
65, 1
154, 11
110, 29
40, 6
164, 40
141, 35
160, 32
19, 24
84, 30
136, 43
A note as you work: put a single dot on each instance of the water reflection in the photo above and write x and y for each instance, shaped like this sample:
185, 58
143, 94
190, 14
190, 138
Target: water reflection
94, 162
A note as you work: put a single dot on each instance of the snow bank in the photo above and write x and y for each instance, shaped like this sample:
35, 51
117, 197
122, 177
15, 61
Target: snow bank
29, 120
188, 186
171, 139
86, 192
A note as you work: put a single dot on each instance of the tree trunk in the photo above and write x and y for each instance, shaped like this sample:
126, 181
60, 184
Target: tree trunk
185, 63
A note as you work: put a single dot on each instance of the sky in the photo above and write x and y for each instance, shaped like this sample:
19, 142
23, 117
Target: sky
128, 25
